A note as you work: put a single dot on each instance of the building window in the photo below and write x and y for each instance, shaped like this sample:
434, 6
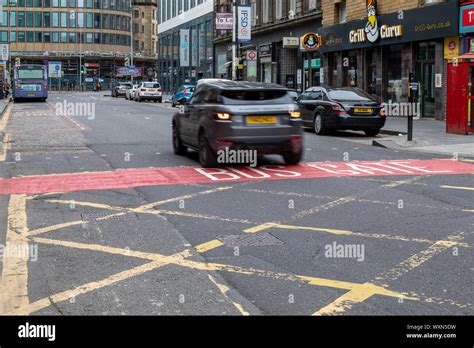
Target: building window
72, 38
38, 19
46, 19
47, 37
340, 12
292, 11
278, 9
12, 18
63, 37
64, 16
21, 36
29, 18
29, 36
266, 10
313, 4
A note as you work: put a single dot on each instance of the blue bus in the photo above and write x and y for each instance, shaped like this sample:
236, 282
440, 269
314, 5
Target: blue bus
30, 82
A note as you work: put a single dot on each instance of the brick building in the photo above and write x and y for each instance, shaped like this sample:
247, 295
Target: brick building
277, 26
380, 46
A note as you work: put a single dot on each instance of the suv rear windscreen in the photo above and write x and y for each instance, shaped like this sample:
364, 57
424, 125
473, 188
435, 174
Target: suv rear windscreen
256, 97
151, 85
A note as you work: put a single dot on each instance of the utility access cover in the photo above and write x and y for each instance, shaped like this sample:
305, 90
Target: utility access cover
259, 239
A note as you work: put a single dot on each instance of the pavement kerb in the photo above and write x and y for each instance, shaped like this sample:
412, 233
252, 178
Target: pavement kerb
387, 144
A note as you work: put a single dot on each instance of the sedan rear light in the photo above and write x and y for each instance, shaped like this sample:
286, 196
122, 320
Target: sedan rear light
338, 109
159, 89
222, 116
142, 89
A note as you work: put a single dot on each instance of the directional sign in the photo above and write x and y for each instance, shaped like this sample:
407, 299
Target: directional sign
54, 69
5, 51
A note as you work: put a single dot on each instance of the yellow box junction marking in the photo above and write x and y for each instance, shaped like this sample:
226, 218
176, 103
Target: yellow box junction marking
14, 283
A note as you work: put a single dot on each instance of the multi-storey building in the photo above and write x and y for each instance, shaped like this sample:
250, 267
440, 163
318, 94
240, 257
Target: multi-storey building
383, 45
185, 51
145, 24
96, 33
277, 29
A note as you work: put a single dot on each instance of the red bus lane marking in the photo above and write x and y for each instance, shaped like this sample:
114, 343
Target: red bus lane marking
139, 177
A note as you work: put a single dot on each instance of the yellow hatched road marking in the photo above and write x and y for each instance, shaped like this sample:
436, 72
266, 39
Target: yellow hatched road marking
358, 295
212, 244
14, 284
370, 289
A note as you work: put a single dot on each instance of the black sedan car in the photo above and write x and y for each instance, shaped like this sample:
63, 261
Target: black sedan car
243, 117
328, 109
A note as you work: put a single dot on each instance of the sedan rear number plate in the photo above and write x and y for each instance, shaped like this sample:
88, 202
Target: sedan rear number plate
363, 110
261, 120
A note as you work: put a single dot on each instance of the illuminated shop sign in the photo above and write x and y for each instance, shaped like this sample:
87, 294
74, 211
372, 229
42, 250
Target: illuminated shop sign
372, 30
436, 21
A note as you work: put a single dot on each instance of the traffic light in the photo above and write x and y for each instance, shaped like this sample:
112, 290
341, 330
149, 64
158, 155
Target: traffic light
82, 69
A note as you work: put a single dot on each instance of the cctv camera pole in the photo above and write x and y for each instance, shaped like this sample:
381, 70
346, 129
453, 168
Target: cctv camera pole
234, 40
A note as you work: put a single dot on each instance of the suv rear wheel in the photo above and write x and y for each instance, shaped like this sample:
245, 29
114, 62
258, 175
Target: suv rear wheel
293, 157
207, 157
178, 147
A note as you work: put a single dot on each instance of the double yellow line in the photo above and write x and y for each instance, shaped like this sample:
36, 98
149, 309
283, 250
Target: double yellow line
6, 138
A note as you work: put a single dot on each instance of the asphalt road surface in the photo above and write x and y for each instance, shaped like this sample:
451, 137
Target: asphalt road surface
98, 216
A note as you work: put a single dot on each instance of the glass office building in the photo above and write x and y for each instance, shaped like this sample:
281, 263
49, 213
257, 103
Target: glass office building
195, 18
63, 30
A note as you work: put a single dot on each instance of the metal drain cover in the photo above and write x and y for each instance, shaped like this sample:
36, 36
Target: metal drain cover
259, 239
99, 217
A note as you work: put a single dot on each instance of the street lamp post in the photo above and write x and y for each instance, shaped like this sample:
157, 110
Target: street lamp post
234, 40
131, 39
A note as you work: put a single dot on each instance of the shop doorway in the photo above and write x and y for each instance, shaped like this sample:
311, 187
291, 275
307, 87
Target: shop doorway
425, 75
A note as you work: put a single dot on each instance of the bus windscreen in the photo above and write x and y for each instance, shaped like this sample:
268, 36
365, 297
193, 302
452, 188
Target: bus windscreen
30, 74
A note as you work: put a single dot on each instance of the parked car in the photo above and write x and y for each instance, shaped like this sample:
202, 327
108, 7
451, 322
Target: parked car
239, 115
328, 109
183, 94
149, 91
130, 93
121, 89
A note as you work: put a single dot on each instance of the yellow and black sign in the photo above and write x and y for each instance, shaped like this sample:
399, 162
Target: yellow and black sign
311, 41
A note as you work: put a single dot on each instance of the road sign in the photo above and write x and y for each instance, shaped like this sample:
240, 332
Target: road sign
54, 69
5, 51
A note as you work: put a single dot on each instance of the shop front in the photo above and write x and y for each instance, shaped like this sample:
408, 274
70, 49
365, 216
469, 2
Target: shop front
384, 54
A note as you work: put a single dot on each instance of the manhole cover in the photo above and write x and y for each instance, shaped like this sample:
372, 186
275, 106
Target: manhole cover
259, 239
117, 216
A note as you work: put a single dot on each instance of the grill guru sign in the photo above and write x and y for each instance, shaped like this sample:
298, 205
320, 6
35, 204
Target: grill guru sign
372, 31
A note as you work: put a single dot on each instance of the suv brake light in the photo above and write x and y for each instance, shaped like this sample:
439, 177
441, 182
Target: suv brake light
222, 117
